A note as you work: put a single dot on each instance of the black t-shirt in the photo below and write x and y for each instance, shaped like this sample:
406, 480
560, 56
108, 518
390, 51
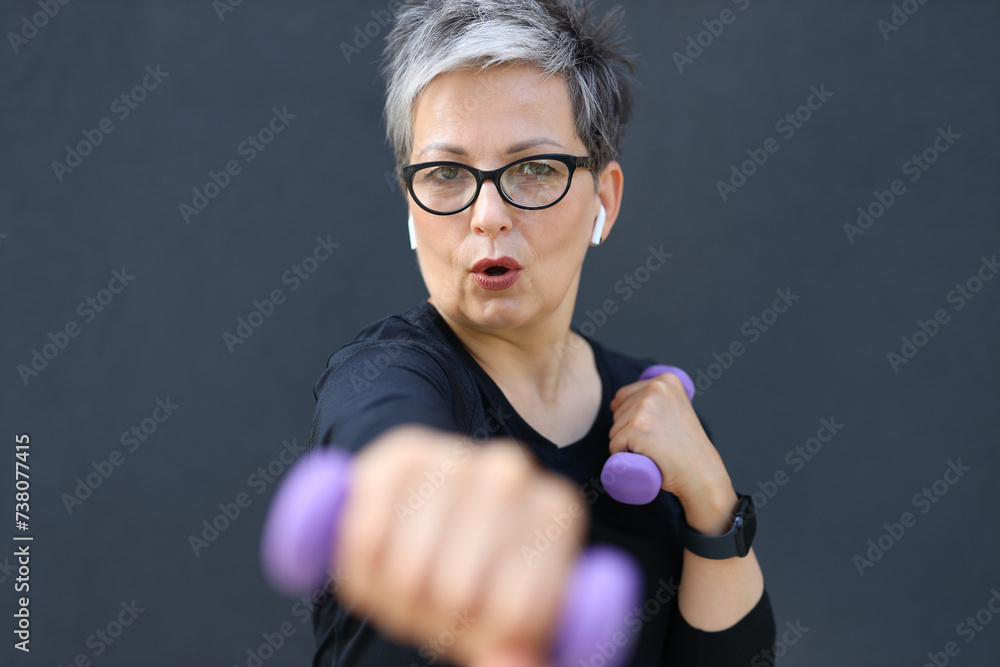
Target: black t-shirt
411, 368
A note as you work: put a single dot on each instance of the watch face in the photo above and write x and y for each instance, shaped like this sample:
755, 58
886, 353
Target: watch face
747, 518
739, 533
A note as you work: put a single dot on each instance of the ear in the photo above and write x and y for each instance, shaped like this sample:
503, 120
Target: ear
610, 185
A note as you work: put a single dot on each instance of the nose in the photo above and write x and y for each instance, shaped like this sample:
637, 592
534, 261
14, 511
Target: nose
490, 213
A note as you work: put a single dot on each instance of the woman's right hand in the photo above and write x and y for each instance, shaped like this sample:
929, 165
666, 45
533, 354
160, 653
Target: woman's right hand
461, 549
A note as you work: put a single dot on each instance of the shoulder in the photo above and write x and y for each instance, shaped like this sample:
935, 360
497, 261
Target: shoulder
422, 321
411, 342
399, 369
417, 330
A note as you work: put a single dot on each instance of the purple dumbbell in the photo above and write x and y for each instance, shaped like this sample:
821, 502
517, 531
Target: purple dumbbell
633, 478
299, 540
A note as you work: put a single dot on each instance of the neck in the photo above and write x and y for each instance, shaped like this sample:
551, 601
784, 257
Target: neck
538, 356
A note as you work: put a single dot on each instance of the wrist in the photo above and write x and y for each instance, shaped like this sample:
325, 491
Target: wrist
710, 512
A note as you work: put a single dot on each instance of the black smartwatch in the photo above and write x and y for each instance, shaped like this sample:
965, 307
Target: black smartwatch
734, 544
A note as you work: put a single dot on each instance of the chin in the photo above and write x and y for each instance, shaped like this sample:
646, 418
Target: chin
497, 313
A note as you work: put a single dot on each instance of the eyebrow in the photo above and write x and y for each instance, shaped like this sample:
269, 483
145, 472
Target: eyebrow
513, 148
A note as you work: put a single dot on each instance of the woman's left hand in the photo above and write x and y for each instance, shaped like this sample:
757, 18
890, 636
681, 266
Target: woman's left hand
654, 418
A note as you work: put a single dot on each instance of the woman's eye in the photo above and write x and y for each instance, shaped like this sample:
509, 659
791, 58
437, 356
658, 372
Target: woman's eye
535, 169
446, 173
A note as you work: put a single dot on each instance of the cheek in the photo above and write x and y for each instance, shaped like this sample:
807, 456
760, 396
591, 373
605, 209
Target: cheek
559, 249
443, 243
441, 260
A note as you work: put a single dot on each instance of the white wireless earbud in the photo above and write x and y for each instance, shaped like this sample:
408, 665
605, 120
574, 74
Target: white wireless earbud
413, 235
598, 227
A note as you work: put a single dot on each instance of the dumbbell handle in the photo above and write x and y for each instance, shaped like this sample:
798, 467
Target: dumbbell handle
300, 537
633, 478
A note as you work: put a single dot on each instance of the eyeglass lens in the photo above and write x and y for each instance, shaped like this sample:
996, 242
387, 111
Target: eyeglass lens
531, 184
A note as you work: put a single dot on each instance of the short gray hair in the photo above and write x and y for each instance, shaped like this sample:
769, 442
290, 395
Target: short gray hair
431, 37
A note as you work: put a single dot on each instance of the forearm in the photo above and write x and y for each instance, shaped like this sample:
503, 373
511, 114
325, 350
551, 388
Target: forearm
715, 594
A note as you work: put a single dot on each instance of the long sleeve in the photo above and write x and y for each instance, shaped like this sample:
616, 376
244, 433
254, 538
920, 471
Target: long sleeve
748, 642
369, 387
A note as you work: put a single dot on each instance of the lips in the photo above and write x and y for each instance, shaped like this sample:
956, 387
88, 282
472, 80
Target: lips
496, 274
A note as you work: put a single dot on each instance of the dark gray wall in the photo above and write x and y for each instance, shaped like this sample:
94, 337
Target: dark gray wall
825, 358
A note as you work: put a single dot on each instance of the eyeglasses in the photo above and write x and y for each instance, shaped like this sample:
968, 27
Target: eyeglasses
532, 183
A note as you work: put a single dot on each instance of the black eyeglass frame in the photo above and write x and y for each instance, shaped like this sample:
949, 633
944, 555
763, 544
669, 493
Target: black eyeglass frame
572, 163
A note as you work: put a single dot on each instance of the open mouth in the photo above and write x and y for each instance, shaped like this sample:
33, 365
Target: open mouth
496, 273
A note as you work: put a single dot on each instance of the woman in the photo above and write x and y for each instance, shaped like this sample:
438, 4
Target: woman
442, 556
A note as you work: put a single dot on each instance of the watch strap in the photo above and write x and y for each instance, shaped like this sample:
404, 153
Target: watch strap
734, 544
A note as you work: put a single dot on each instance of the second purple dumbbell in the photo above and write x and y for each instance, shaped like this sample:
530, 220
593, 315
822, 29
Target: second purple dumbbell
633, 478
300, 537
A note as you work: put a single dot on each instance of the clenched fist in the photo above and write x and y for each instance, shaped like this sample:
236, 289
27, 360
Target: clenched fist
654, 418
438, 529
